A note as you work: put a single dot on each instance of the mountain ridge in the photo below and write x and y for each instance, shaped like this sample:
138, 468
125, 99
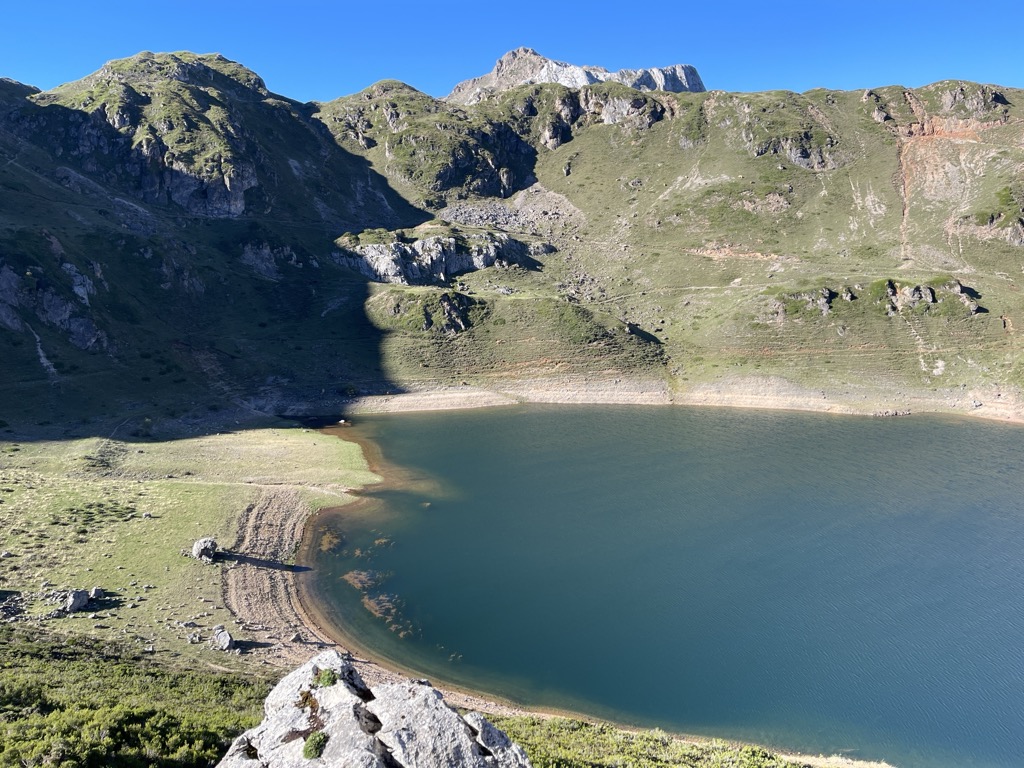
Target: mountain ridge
267, 251
524, 66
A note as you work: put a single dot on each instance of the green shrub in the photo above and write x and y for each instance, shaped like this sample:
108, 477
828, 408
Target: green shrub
315, 743
325, 678
82, 703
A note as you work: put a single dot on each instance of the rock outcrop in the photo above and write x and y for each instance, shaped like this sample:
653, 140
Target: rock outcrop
432, 260
31, 293
524, 66
323, 714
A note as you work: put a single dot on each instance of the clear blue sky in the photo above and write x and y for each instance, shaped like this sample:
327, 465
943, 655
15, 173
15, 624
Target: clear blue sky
314, 49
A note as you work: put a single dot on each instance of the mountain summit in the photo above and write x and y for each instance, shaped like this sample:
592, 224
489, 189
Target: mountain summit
524, 66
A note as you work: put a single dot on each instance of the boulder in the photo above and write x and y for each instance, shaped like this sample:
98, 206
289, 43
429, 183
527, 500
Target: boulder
76, 600
221, 640
205, 549
420, 729
394, 725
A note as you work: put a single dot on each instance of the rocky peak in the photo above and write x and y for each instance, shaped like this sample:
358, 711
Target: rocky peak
525, 66
149, 73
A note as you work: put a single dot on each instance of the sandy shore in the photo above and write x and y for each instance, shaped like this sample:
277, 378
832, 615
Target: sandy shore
262, 593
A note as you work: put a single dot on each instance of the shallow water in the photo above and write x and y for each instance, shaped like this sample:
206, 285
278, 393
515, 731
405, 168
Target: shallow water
820, 583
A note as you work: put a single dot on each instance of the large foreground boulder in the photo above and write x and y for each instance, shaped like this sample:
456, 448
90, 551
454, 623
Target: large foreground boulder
323, 714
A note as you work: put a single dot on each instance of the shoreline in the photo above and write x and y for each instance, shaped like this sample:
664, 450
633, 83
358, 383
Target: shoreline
762, 393
272, 603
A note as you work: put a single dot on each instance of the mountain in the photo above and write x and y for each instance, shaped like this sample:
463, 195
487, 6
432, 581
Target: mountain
174, 236
524, 66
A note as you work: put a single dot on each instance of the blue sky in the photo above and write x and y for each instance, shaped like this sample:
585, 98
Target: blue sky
313, 49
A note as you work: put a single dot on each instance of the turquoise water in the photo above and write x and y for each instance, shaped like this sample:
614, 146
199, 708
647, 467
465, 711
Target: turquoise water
820, 583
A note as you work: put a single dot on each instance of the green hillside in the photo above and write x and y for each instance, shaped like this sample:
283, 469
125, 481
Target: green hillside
175, 236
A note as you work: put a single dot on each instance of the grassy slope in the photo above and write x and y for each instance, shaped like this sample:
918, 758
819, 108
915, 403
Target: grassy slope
73, 702
116, 514
709, 228
688, 245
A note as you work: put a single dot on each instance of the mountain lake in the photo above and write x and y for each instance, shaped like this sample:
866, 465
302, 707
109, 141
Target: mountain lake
819, 583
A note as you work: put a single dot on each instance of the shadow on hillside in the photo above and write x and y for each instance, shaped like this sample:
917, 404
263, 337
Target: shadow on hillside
195, 323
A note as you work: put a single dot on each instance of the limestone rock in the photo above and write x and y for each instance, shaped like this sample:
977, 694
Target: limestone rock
496, 741
432, 259
420, 729
205, 549
76, 600
525, 66
395, 725
221, 639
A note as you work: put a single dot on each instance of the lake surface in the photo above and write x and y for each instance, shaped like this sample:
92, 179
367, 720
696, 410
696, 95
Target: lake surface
820, 583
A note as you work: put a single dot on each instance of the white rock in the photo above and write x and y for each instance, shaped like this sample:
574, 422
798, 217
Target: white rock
221, 639
400, 724
76, 600
525, 66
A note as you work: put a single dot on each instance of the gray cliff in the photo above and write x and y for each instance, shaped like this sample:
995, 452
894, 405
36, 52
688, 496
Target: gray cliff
323, 714
525, 66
